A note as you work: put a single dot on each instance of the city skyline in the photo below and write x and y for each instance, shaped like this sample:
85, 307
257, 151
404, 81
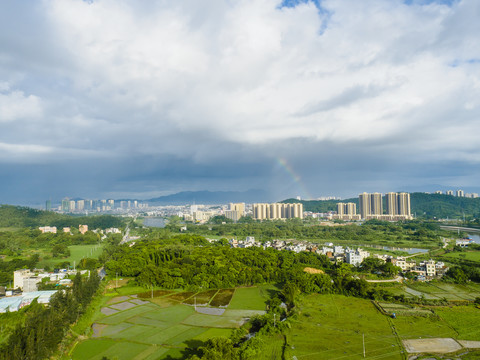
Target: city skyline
395, 203
121, 99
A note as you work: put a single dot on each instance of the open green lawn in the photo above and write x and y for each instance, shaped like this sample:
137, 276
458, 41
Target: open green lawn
77, 252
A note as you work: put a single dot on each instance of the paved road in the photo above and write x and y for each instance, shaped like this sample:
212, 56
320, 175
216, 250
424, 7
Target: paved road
397, 279
127, 237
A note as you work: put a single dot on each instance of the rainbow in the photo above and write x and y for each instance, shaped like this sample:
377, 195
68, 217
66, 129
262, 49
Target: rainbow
295, 177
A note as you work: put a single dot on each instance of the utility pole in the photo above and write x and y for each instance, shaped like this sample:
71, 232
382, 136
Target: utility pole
195, 299
363, 344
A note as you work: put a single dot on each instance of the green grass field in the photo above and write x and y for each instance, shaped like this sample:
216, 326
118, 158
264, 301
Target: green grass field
463, 319
324, 327
151, 331
468, 255
414, 327
77, 252
250, 298
333, 326
435, 290
439, 290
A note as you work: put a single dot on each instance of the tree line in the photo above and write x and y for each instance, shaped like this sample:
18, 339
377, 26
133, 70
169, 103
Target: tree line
21, 217
43, 328
190, 262
374, 231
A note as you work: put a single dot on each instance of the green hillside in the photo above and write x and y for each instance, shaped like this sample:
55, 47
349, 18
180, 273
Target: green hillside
321, 206
422, 204
443, 206
19, 217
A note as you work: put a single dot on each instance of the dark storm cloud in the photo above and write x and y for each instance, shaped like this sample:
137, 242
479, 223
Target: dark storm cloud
112, 98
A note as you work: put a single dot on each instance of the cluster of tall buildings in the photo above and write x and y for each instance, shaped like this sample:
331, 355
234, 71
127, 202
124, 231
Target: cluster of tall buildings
371, 207
235, 211
397, 206
347, 211
277, 211
68, 205
458, 193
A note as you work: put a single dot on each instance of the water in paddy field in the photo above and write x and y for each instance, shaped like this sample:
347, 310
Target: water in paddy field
407, 250
154, 222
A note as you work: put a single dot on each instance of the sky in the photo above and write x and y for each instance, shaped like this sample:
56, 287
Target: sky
136, 99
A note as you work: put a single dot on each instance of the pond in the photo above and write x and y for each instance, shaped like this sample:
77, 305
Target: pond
407, 250
475, 237
154, 222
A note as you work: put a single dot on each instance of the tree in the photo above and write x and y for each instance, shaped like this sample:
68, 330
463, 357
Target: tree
220, 219
60, 250
219, 348
457, 274
290, 292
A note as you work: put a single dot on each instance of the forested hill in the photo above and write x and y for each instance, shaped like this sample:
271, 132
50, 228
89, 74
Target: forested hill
422, 204
321, 206
17, 217
443, 206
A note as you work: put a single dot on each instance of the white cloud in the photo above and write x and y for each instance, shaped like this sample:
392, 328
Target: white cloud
246, 72
14, 105
208, 80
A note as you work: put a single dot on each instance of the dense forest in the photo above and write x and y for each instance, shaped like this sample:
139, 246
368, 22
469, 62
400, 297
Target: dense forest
22, 217
424, 205
192, 263
373, 231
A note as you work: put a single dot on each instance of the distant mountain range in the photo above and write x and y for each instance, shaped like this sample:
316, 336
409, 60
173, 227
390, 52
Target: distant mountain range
211, 197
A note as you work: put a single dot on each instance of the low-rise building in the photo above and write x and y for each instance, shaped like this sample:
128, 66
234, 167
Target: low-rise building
429, 267
48, 229
83, 229
26, 280
353, 258
15, 303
